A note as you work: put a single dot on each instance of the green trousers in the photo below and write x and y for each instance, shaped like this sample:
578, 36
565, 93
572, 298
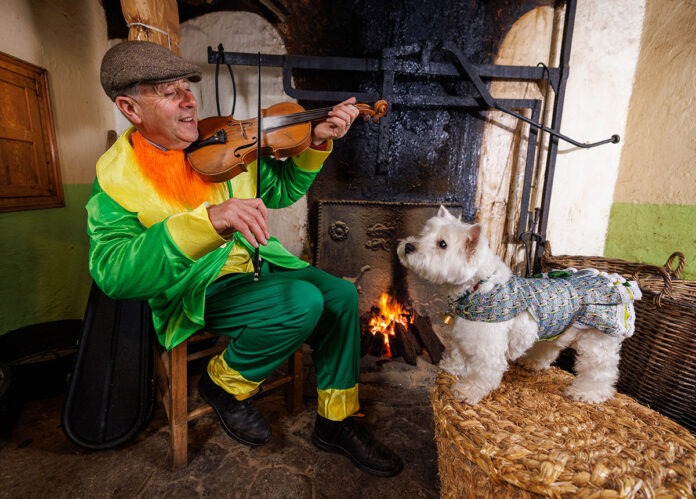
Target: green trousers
267, 320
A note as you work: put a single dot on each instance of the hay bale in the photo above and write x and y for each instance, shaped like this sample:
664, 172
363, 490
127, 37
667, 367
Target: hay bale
527, 439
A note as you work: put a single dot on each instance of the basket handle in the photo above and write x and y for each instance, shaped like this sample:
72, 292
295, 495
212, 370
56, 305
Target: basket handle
680, 266
666, 278
546, 249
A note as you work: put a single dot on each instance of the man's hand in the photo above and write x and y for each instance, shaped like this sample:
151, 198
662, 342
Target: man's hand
337, 124
246, 216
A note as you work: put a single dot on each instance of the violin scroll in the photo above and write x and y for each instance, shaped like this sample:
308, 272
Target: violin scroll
373, 113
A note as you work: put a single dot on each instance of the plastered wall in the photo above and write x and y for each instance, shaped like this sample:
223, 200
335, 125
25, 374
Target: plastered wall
654, 210
43, 272
605, 49
597, 96
660, 131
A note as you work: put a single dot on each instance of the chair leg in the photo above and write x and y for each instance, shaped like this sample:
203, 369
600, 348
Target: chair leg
176, 363
178, 408
296, 385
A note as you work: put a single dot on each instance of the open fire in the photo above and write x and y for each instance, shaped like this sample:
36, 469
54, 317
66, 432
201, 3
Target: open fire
385, 319
391, 330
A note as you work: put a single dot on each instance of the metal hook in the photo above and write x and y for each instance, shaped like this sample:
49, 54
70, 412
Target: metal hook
491, 102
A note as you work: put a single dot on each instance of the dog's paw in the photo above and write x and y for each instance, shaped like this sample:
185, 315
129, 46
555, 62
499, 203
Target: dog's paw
468, 392
596, 395
533, 363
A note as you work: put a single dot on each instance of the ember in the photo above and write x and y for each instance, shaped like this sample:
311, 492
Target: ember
392, 330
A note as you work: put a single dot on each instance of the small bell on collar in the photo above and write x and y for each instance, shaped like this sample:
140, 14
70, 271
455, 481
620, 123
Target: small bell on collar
448, 319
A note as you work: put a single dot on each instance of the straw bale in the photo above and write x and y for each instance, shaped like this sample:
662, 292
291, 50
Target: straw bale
527, 439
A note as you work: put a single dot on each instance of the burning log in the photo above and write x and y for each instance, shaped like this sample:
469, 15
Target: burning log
392, 331
422, 328
407, 343
366, 337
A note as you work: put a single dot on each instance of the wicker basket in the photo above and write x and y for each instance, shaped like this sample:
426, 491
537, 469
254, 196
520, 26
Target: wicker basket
625, 268
527, 439
658, 363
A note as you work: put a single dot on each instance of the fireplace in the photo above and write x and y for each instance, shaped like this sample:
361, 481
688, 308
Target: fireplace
357, 240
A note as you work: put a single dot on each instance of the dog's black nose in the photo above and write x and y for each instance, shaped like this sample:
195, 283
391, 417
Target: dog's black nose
409, 248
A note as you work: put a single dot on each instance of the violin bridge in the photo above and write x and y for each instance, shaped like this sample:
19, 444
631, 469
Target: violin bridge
242, 130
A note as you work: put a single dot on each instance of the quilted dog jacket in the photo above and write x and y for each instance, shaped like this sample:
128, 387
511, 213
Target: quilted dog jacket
557, 300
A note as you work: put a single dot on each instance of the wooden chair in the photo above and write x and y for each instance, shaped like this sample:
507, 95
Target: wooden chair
171, 372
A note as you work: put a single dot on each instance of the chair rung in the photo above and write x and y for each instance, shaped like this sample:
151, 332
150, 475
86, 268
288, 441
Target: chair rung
201, 336
283, 380
199, 411
205, 353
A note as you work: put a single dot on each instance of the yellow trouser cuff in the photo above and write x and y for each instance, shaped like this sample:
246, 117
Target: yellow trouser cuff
230, 380
337, 405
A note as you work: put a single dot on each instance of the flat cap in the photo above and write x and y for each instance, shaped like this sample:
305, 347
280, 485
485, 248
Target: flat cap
136, 61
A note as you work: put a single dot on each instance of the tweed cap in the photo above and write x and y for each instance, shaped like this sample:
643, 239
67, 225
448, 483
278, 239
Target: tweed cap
136, 61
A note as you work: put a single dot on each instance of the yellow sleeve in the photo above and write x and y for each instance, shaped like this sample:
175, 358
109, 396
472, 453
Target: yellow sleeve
193, 233
311, 160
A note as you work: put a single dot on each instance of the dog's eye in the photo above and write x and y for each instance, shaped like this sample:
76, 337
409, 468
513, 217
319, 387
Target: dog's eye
442, 244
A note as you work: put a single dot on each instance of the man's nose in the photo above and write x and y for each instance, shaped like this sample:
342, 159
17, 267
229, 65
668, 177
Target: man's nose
188, 99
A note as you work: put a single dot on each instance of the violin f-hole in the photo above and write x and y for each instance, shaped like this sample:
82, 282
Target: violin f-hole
237, 154
219, 137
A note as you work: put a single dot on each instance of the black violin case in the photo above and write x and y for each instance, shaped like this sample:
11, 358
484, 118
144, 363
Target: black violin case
110, 395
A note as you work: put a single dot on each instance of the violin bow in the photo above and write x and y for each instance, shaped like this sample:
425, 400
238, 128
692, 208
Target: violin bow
257, 256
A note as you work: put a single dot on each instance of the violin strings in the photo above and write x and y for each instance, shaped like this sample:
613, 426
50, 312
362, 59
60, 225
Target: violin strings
280, 121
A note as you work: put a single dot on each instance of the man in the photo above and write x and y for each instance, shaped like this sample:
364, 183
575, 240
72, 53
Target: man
159, 232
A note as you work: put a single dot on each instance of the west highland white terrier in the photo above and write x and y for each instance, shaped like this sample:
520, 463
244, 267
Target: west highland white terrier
500, 317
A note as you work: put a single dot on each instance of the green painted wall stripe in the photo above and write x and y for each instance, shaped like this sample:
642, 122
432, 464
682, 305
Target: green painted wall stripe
44, 275
649, 233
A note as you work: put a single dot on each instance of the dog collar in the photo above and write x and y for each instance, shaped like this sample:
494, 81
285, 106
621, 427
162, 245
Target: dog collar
449, 316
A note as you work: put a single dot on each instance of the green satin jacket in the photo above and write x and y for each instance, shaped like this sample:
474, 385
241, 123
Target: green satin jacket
142, 248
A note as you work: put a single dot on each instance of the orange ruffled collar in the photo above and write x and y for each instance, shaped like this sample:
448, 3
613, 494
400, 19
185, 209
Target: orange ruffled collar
171, 174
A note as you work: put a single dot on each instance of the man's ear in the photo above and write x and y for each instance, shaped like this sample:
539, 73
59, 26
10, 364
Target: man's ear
129, 108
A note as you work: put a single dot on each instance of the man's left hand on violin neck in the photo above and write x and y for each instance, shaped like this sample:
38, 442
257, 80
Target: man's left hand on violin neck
337, 124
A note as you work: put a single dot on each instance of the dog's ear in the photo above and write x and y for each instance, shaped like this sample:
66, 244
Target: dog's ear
444, 213
472, 240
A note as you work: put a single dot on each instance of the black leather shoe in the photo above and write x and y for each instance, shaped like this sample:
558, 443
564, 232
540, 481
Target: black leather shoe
239, 418
352, 440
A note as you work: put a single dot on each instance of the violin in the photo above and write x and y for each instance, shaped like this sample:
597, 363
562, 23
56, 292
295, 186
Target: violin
225, 146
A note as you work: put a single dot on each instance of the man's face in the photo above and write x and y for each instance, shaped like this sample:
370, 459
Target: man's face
168, 114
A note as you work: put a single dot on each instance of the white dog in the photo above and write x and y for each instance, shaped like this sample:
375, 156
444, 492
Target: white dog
500, 317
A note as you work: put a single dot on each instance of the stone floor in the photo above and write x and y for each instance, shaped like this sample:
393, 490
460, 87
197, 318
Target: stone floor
37, 460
